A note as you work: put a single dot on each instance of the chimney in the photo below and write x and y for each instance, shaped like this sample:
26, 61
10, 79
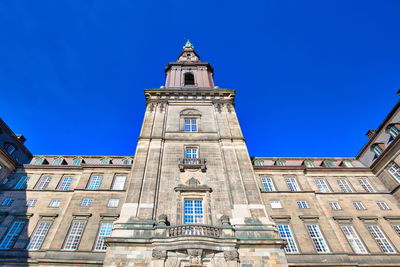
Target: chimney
370, 133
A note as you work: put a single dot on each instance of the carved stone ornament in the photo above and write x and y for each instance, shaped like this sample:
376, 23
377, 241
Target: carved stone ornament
231, 255
162, 219
225, 220
159, 254
151, 107
219, 107
193, 182
195, 256
161, 107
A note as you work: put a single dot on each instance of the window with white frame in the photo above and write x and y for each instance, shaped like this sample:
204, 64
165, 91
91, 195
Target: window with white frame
74, 235
94, 182
335, 206
359, 205
317, 238
366, 185
353, 239
193, 211
57, 161
302, 204
127, 161
191, 152
43, 183
104, 231
65, 183
86, 202
285, 232
329, 164
190, 125
275, 204
38, 236
21, 183
280, 162
105, 161
76, 161
113, 203
377, 149
268, 184
259, 162
38, 161
380, 238
30, 202
54, 203
322, 185
396, 227
394, 170
12, 234
382, 205
292, 184
348, 163
344, 185
393, 130
119, 182
7, 202
309, 163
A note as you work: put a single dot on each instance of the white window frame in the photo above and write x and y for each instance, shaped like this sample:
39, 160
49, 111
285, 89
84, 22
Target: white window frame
43, 182
359, 205
54, 203
345, 185
275, 204
119, 182
190, 125
383, 205
377, 149
58, 161
317, 238
191, 152
105, 230
22, 183
348, 163
12, 234
381, 239
113, 203
193, 213
353, 238
309, 163
74, 236
39, 235
322, 185
335, 205
30, 202
268, 184
364, 182
286, 233
94, 182
302, 204
87, 202
76, 161
394, 170
292, 184
65, 183
396, 227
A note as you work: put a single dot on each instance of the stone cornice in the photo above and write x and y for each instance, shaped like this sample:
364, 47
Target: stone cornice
200, 94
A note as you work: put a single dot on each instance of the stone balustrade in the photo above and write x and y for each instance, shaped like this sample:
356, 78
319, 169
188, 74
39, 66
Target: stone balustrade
192, 163
194, 230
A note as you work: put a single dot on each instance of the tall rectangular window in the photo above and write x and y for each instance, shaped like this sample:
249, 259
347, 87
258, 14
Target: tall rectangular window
38, 236
382, 205
335, 206
7, 202
54, 203
74, 235
12, 235
190, 125
275, 204
43, 183
191, 152
366, 185
302, 204
30, 202
104, 231
396, 227
353, 238
286, 233
380, 238
95, 182
21, 183
86, 202
267, 183
65, 183
317, 238
119, 182
322, 185
292, 184
193, 211
113, 203
394, 170
359, 205
344, 185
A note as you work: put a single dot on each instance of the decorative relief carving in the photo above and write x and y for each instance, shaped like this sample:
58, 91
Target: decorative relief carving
162, 107
159, 254
151, 107
162, 219
231, 255
225, 220
195, 256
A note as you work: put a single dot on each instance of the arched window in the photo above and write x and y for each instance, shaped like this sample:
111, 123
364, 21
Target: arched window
10, 149
127, 161
189, 78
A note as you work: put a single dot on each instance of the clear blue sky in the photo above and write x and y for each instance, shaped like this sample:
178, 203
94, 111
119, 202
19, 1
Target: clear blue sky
311, 76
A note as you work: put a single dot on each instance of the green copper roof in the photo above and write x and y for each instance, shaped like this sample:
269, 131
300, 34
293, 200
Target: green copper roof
188, 44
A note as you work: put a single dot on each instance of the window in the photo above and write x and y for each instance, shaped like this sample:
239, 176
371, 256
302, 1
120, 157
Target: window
127, 161
30, 203
38, 161
359, 205
65, 183
317, 238
381, 239
344, 185
5, 180
105, 161
86, 202
259, 162
12, 234
191, 152
366, 185
21, 183
74, 235
329, 164
189, 78
353, 238
280, 162
396, 227
267, 183
7, 202
76, 161
382, 205
275, 204
119, 182
286, 233
190, 125
335, 206
322, 185
54, 203
292, 184
38, 236
10, 149
94, 182
43, 183
302, 204
113, 203
193, 211
57, 161
394, 170
104, 231
393, 130
377, 149
348, 163
309, 163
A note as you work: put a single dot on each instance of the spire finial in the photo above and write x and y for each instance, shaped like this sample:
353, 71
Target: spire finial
188, 44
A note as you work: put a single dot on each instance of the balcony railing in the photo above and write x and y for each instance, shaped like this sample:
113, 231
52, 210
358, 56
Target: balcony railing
192, 163
194, 230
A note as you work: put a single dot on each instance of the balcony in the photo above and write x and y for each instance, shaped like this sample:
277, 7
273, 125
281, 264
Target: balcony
192, 163
194, 230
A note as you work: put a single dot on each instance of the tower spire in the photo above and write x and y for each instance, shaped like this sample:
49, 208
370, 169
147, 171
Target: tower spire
188, 44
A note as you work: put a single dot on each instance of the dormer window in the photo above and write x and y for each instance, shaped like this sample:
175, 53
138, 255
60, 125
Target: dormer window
348, 163
77, 161
393, 130
280, 162
38, 161
105, 161
57, 161
377, 148
127, 161
329, 163
309, 163
10, 149
189, 78
259, 162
